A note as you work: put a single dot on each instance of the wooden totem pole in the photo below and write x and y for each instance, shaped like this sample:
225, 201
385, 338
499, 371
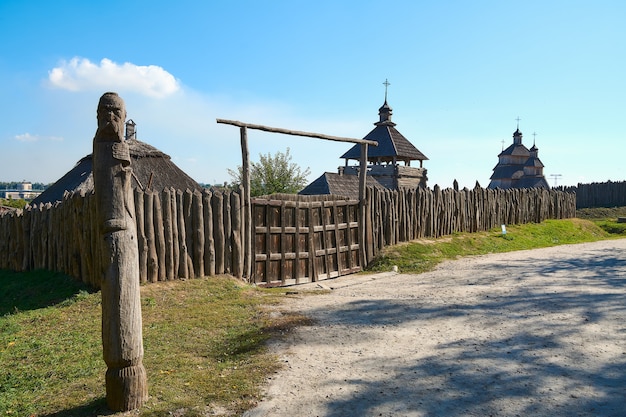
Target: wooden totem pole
122, 339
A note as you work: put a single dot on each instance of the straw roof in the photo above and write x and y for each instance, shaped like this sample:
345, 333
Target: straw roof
152, 169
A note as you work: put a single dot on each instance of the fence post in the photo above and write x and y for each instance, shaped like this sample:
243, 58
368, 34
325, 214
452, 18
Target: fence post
363, 206
245, 205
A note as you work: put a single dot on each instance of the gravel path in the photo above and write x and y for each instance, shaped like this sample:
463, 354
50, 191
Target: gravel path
529, 333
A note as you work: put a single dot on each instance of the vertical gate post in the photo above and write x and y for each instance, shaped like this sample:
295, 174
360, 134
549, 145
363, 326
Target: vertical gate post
247, 209
363, 205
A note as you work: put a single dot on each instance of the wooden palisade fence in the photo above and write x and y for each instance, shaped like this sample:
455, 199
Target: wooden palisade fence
180, 235
294, 239
395, 217
599, 194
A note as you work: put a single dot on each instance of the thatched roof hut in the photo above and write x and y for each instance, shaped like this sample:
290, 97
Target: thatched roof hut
152, 170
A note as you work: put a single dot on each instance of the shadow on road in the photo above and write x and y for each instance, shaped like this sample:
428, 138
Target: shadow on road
540, 346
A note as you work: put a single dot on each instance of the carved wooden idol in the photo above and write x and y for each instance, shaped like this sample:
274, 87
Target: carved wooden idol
122, 340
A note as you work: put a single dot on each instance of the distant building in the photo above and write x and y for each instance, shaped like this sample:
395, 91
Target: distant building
24, 191
518, 167
384, 169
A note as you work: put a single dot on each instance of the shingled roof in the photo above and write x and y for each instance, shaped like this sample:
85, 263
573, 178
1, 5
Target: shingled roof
152, 169
337, 184
518, 167
392, 145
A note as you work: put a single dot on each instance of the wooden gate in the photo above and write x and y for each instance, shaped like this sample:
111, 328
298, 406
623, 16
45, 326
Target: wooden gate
299, 239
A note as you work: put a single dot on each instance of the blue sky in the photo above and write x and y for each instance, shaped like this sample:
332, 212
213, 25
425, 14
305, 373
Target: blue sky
461, 72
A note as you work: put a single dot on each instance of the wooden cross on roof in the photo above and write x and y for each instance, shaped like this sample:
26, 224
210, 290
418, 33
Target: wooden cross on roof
386, 84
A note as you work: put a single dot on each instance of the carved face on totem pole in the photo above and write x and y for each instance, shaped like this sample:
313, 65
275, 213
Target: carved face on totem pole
111, 117
111, 167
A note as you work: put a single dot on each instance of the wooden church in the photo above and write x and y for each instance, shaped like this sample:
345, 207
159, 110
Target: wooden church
389, 163
518, 167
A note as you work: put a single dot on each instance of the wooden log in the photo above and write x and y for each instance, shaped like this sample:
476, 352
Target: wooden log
218, 230
248, 233
197, 218
97, 270
59, 249
3, 240
228, 235
183, 267
49, 237
363, 203
57, 225
175, 234
87, 231
282, 220
152, 272
187, 202
236, 222
20, 247
34, 243
326, 236
369, 246
314, 269
78, 226
159, 236
395, 223
68, 235
402, 221
26, 230
296, 132
13, 238
209, 243
142, 242
382, 216
168, 233
84, 239
299, 244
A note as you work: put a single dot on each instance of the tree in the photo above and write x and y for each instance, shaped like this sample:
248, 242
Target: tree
9, 202
273, 174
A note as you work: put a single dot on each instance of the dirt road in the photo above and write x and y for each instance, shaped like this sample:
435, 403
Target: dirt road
530, 333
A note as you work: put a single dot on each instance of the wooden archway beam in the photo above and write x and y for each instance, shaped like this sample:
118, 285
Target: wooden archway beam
296, 132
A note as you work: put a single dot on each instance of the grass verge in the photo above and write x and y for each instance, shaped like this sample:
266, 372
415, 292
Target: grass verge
204, 343
606, 218
423, 255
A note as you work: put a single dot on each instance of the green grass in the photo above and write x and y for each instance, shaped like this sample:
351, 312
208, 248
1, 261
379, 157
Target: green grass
425, 254
9, 202
601, 213
606, 218
204, 339
204, 343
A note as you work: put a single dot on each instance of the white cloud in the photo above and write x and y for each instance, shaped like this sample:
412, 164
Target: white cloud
27, 137
80, 74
